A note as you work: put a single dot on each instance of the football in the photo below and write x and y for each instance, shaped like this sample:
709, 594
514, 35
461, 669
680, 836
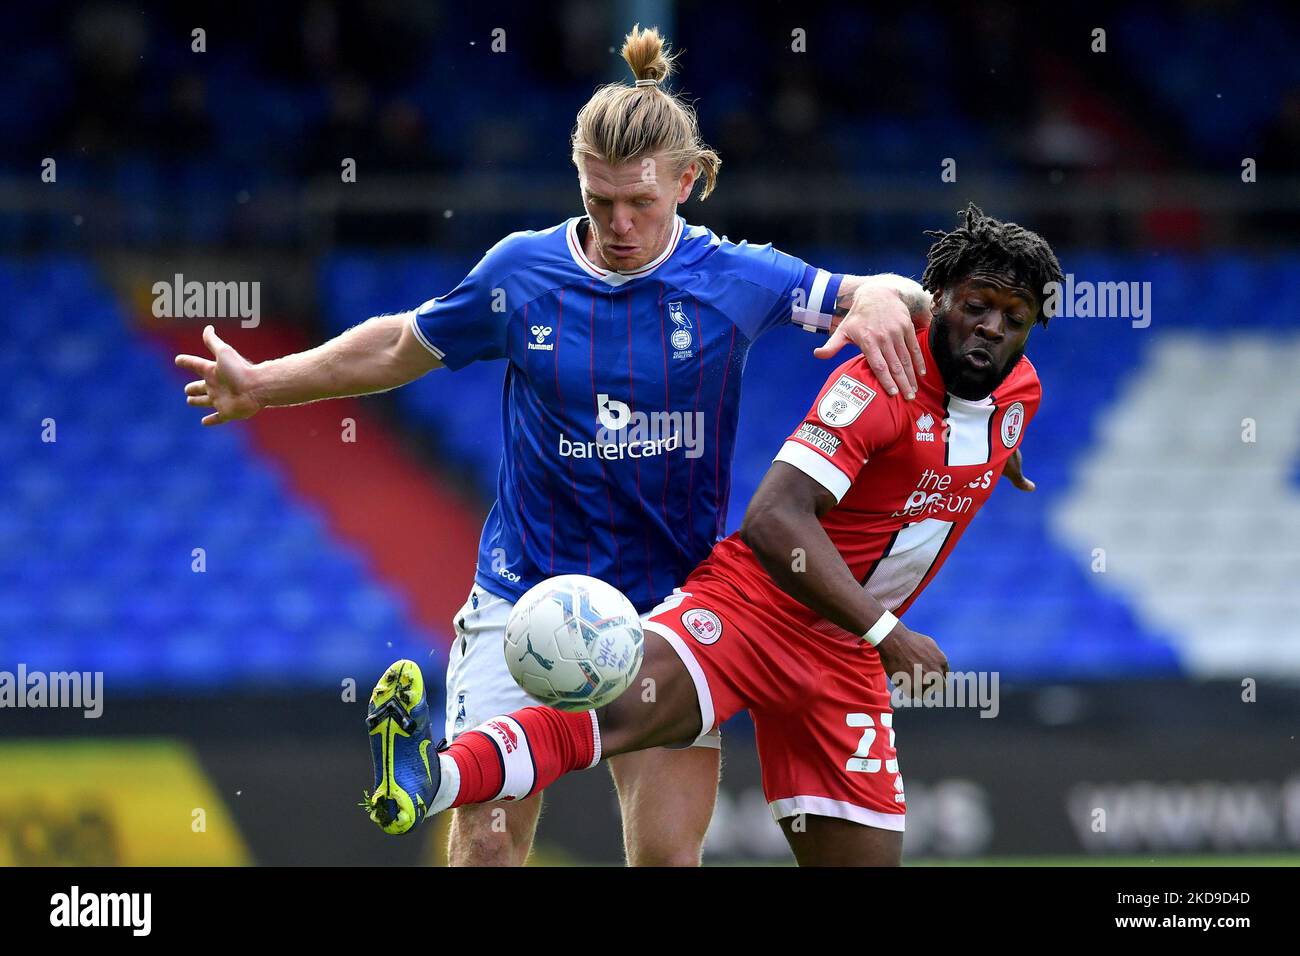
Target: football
574, 642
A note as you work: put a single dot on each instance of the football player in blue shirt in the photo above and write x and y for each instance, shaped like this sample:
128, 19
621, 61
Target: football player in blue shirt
625, 331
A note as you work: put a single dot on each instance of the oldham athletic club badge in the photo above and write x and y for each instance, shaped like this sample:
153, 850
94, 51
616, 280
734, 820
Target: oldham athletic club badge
682, 340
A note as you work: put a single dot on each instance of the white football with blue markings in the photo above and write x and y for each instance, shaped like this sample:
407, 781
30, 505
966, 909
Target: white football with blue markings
574, 642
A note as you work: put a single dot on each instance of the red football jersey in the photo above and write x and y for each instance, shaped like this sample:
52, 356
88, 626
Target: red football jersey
908, 476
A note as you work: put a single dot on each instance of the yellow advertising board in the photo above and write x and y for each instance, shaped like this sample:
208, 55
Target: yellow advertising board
130, 802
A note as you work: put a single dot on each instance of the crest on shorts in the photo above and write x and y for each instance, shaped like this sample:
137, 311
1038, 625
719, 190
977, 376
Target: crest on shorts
1012, 422
844, 402
704, 626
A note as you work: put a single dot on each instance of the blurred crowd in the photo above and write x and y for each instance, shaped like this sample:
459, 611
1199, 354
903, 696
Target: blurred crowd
283, 91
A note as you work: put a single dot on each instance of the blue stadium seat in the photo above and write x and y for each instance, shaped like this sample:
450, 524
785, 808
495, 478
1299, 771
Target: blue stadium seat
98, 544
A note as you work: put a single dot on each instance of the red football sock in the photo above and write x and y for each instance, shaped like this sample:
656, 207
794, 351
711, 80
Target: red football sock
517, 755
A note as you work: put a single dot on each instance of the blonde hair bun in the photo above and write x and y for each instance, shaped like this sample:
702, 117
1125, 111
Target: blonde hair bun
647, 54
620, 122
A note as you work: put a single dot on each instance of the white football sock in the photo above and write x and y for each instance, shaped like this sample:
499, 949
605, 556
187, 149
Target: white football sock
448, 785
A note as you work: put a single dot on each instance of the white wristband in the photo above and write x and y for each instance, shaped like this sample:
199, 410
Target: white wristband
880, 630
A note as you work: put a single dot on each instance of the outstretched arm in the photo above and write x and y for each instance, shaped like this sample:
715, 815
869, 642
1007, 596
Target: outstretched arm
784, 515
375, 356
882, 314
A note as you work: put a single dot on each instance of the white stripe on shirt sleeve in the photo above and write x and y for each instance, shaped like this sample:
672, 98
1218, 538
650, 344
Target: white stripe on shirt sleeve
815, 467
818, 291
415, 327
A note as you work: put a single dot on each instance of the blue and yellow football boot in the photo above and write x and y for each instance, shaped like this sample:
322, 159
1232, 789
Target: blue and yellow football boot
401, 750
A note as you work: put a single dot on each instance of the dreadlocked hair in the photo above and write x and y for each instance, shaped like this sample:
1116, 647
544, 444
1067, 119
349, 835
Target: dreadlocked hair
986, 245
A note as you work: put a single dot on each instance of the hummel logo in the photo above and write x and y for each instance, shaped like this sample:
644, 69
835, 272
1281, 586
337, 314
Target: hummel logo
546, 665
540, 332
923, 425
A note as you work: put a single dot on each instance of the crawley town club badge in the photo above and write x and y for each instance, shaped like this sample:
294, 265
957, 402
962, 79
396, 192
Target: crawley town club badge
705, 626
1012, 422
844, 402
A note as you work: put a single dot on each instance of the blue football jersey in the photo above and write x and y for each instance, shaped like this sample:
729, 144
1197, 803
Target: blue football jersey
621, 397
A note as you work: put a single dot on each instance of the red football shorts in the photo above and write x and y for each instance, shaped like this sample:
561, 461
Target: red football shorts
820, 703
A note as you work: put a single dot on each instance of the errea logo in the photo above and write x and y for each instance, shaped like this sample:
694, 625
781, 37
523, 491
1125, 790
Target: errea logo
923, 426
506, 736
539, 343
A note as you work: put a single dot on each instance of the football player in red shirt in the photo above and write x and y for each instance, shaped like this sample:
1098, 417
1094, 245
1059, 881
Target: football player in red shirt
794, 618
